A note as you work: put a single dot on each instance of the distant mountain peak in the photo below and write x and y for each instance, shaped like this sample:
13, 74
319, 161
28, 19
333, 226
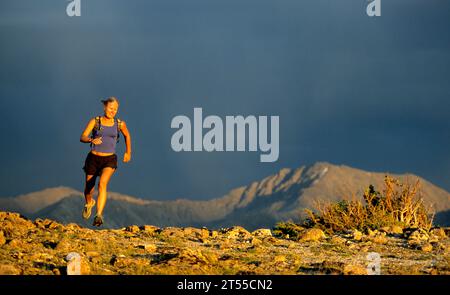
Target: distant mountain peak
281, 196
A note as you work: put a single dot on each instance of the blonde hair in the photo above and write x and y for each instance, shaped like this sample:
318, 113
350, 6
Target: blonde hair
110, 99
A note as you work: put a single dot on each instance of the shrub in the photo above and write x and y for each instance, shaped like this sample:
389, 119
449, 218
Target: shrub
287, 230
399, 204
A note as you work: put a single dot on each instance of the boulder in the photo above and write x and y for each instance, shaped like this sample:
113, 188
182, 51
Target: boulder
236, 232
149, 228
265, 232
312, 234
356, 235
354, 270
7, 269
279, 259
338, 240
418, 235
132, 229
438, 233
2, 238
393, 230
148, 247
427, 247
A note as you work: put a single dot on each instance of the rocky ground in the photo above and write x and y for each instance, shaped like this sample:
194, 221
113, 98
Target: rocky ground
41, 247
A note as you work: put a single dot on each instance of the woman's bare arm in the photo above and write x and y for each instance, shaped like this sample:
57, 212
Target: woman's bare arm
127, 136
85, 135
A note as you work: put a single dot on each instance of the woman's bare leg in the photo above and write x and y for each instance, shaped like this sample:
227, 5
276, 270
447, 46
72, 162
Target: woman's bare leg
107, 172
89, 188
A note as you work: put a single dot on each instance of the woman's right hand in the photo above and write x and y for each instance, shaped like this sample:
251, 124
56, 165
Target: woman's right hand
97, 140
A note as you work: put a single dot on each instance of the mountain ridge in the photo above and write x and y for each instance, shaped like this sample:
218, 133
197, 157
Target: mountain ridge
280, 196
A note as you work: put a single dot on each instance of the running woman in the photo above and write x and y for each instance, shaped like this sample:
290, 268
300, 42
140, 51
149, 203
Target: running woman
102, 159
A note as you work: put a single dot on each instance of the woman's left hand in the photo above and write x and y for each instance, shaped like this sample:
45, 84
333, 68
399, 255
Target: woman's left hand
126, 157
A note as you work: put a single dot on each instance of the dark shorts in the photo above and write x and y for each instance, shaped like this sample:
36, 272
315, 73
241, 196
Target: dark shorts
93, 165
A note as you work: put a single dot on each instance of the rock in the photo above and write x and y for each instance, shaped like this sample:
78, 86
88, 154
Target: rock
46, 223
211, 257
204, 233
354, 247
438, 246
380, 239
16, 243
195, 256
149, 229
313, 234
427, 247
196, 234
256, 242
121, 261
446, 230
356, 235
415, 244
54, 225
7, 269
8, 230
385, 229
189, 231
433, 239
396, 230
65, 245
39, 223
148, 247
419, 235
280, 259
337, 240
2, 238
438, 232
270, 240
11, 216
365, 249
236, 232
224, 245
371, 233
354, 270
262, 232
72, 226
200, 234
393, 230
92, 254
174, 232
132, 229
50, 244
292, 245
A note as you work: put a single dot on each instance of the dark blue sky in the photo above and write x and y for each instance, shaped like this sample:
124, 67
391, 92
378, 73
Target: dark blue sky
372, 93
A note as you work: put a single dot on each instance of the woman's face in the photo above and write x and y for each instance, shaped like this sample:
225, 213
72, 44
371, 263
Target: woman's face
111, 109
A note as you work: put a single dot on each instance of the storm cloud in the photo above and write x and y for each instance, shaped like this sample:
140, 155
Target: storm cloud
372, 93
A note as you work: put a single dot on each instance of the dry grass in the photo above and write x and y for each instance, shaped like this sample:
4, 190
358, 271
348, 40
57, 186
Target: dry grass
399, 204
